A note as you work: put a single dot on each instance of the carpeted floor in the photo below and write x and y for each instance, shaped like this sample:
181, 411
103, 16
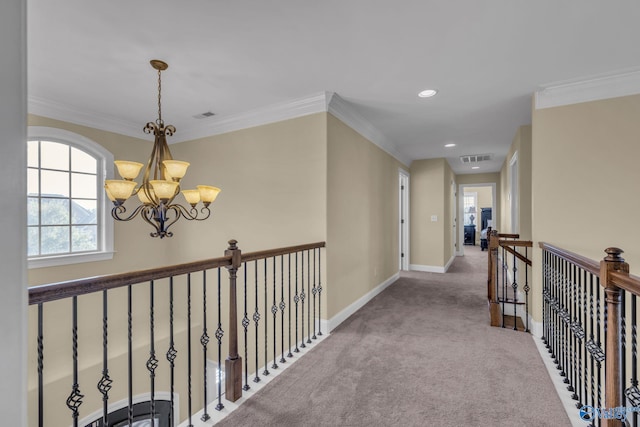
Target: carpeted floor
421, 353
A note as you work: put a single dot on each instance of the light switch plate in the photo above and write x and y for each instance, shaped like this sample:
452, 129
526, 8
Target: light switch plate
434, 218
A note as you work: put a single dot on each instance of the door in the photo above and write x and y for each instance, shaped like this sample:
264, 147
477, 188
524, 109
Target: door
403, 203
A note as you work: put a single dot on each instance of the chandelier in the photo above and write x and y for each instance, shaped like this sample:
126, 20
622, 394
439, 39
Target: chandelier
160, 182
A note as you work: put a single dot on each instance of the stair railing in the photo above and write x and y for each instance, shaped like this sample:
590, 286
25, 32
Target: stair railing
508, 267
589, 323
147, 333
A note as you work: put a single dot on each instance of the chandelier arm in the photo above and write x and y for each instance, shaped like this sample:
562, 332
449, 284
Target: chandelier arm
117, 211
193, 214
176, 211
150, 216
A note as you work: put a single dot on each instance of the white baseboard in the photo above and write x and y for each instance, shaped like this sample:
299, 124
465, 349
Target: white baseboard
535, 328
332, 323
561, 388
432, 268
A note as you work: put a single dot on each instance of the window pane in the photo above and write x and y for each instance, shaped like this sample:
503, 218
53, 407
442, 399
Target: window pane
54, 155
55, 240
54, 211
54, 183
83, 186
84, 212
85, 238
32, 241
82, 162
33, 187
32, 154
32, 211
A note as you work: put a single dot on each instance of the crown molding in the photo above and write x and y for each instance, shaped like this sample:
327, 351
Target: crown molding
588, 89
317, 103
342, 110
58, 111
261, 116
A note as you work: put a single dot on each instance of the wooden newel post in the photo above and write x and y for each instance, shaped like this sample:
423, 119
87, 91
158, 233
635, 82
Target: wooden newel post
233, 364
494, 307
613, 346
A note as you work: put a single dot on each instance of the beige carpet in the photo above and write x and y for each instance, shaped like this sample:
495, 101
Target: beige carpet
421, 353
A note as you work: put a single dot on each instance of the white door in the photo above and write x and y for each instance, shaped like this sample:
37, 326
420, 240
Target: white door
404, 220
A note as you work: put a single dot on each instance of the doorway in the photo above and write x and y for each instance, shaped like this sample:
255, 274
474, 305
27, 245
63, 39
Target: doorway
471, 220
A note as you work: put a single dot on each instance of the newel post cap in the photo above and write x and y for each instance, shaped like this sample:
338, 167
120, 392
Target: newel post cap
613, 255
233, 245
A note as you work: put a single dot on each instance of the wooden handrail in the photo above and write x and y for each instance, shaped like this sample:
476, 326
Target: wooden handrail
71, 288
252, 256
522, 243
508, 235
628, 282
60, 290
582, 262
517, 254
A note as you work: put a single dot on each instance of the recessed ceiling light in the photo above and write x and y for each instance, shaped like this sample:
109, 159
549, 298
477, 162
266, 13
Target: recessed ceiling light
449, 145
475, 167
427, 93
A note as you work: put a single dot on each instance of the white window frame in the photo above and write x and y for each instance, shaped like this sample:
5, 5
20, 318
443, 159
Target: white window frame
104, 158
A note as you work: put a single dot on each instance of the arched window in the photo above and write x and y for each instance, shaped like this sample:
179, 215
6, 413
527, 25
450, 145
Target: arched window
68, 219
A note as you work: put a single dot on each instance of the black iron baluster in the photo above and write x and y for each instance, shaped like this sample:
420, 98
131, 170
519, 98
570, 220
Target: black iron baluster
40, 368
189, 384
266, 329
592, 359
289, 303
514, 285
308, 294
130, 355
104, 385
634, 356
219, 335
282, 307
245, 324
571, 307
623, 339
302, 298
171, 354
505, 268
526, 289
204, 341
256, 320
319, 291
545, 298
152, 362
75, 398
274, 312
583, 311
296, 298
599, 344
564, 296
314, 290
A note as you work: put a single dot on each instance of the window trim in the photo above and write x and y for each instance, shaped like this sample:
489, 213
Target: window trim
105, 159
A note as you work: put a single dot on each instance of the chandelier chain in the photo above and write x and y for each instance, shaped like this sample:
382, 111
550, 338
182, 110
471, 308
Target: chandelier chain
159, 121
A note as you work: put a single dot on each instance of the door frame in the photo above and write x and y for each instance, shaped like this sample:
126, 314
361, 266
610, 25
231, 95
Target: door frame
403, 213
460, 198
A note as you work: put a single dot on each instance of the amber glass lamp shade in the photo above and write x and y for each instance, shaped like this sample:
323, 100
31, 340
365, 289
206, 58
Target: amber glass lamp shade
208, 193
142, 195
164, 189
119, 189
128, 170
176, 169
192, 197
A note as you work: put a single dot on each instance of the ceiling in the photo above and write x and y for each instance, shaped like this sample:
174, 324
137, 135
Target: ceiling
486, 59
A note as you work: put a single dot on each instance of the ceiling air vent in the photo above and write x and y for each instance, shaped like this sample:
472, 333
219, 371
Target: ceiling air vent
204, 115
475, 158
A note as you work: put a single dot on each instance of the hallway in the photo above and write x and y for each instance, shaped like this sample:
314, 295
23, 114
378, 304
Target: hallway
421, 353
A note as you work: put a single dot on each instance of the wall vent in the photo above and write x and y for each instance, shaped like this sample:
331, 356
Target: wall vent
204, 115
475, 158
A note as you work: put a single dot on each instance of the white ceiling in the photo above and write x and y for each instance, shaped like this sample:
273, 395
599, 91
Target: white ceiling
486, 58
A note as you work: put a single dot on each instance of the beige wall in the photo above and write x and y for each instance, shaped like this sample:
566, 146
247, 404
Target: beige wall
428, 198
273, 181
362, 215
585, 180
450, 190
